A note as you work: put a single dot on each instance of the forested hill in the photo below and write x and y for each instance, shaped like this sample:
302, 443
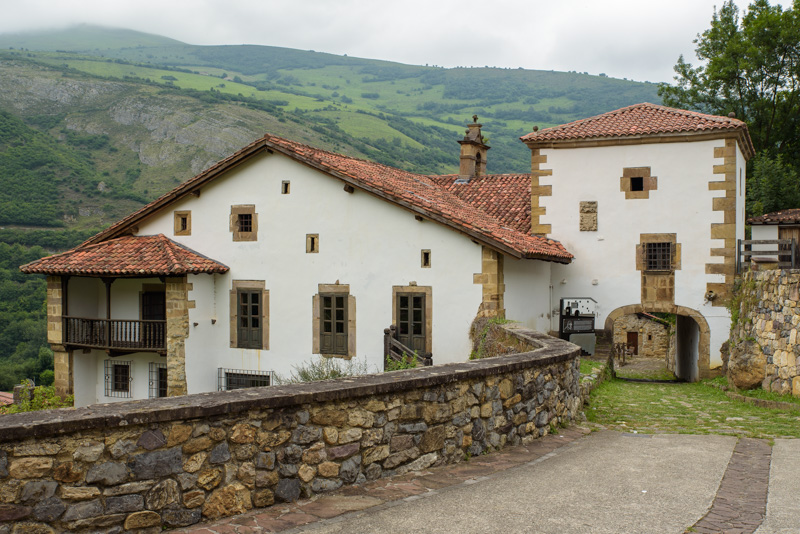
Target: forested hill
94, 122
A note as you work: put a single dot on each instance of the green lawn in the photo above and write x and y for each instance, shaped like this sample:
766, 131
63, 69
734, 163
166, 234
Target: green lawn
696, 408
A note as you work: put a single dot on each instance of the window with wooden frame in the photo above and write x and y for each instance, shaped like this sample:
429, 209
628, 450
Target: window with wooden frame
183, 223
333, 323
334, 314
244, 223
412, 314
118, 378
249, 323
153, 313
158, 380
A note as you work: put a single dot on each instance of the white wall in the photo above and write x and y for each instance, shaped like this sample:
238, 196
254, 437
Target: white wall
764, 232
364, 242
527, 297
605, 261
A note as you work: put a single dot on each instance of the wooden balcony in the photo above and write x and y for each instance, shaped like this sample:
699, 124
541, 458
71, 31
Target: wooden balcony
115, 335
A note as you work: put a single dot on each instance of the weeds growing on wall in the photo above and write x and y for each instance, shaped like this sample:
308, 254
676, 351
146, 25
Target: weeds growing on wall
323, 369
488, 340
406, 362
741, 301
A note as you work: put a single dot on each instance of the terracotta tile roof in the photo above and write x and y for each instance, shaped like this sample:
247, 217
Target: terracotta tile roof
416, 192
6, 398
506, 197
643, 120
791, 216
152, 255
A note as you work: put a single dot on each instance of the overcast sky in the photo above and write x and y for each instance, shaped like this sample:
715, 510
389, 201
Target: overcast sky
634, 39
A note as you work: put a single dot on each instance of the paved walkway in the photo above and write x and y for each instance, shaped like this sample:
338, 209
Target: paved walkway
603, 482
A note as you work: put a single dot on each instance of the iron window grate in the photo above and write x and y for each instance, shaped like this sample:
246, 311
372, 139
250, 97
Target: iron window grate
118, 378
658, 256
228, 379
158, 380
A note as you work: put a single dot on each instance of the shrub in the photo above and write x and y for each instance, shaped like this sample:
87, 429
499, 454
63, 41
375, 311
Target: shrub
323, 369
407, 362
43, 398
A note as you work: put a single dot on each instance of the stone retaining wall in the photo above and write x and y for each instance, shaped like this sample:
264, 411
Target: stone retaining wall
769, 315
170, 462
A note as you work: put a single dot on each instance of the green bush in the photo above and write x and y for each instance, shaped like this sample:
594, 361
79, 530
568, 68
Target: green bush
407, 362
44, 398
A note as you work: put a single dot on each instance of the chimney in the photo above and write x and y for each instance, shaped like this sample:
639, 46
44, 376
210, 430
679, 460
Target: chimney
473, 152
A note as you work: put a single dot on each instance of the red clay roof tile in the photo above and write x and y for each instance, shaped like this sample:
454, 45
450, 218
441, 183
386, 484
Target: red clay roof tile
641, 120
506, 197
791, 216
152, 255
416, 192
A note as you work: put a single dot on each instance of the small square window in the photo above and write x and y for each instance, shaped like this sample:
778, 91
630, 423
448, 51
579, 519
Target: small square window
637, 182
426, 258
312, 243
285, 187
658, 256
183, 222
244, 223
118, 378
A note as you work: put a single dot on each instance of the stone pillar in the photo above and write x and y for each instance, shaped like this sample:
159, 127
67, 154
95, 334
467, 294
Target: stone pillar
492, 280
62, 358
538, 191
177, 301
726, 230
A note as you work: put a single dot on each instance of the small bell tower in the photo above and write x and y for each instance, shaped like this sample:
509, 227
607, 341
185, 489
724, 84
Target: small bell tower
473, 151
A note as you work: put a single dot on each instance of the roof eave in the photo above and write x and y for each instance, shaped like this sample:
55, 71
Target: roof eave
740, 134
496, 245
548, 257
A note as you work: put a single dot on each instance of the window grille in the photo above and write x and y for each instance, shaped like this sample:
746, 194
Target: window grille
245, 222
118, 378
658, 256
228, 379
158, 380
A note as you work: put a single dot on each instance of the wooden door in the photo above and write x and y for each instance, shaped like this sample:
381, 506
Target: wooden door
411, 320
790, 232
333, 327
633, 342
249, 328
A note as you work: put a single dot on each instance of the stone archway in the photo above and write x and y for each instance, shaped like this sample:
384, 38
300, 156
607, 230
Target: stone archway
697, 336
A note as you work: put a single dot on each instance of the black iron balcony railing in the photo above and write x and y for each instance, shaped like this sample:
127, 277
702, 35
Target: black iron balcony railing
115, 334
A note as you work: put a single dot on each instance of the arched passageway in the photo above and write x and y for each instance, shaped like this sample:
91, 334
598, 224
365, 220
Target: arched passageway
692, 338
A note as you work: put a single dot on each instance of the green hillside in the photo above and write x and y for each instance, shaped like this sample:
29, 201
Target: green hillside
383, 108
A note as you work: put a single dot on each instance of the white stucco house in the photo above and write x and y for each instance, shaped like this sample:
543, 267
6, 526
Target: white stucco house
283, 251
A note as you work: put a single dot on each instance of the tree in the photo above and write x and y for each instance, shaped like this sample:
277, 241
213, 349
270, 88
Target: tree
750, 65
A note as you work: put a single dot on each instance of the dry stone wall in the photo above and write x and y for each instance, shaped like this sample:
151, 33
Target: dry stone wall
766, 332
172, 462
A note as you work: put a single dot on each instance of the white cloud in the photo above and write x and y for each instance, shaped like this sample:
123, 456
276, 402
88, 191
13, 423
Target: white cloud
635, 39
